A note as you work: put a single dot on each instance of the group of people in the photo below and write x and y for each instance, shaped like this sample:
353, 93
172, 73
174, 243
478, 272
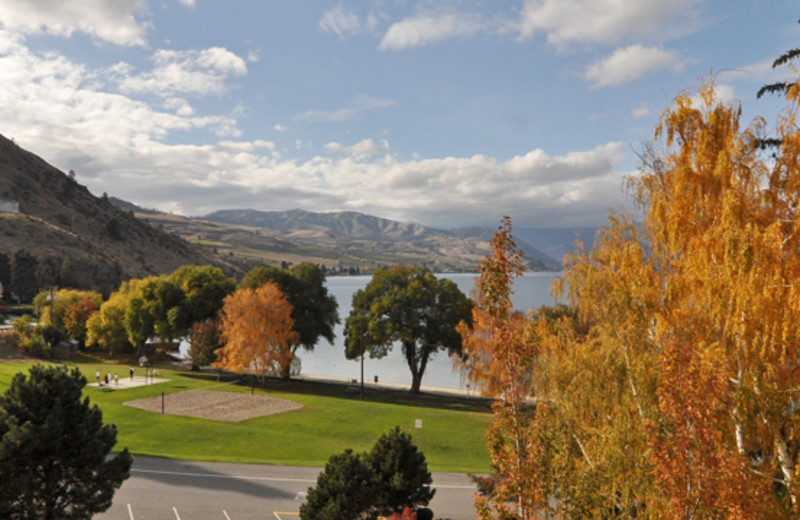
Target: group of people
107, 379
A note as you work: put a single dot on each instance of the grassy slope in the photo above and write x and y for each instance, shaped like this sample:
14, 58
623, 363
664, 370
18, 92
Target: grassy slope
332, 420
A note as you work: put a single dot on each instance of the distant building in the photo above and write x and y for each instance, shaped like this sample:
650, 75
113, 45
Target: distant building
8, 206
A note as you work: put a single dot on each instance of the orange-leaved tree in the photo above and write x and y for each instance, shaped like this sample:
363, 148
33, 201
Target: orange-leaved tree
497, 358
255, 328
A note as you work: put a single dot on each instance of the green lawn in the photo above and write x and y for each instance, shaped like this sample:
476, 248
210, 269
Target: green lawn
332, 419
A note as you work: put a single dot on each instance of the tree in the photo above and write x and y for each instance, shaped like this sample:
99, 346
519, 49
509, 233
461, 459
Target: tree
314, 310
67, 310
106, 327
153, 308
204, 340
408, 305
256, 329
5, 276
54, 449
401, 471
345, 490
389, 478
23, 275
204, 288
498, 358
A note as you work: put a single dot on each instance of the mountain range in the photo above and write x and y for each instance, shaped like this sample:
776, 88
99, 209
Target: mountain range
103, 240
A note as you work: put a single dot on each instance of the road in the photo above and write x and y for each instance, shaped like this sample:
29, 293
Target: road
161, 489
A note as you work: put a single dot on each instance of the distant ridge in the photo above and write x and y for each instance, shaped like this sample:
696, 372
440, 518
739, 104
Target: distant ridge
459, 249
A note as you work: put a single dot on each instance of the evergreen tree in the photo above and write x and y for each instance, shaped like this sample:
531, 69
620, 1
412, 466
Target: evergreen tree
401, 472
54, 449
345, 490
24, 267
5, 276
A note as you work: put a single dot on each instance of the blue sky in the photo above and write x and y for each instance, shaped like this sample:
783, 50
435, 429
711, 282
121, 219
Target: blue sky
445, 113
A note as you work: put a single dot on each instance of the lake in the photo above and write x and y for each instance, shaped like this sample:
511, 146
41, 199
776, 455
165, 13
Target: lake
530, 291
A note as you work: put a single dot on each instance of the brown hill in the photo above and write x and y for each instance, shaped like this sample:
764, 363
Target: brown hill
78, 239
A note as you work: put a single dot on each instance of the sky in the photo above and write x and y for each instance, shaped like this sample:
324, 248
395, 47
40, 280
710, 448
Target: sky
444, 113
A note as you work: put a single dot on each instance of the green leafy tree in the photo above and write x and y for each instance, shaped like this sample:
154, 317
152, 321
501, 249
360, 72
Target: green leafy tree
345, 490
204, 288
54, 449
411, 306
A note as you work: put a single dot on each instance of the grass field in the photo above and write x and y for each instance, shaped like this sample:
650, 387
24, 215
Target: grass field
331, 420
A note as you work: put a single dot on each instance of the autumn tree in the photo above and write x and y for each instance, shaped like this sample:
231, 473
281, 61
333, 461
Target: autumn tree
256, 329
204, 342
67, 310
314, 310
411, 306
497, 358
106, 327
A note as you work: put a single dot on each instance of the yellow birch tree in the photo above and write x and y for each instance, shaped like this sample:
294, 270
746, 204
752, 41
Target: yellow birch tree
256, 330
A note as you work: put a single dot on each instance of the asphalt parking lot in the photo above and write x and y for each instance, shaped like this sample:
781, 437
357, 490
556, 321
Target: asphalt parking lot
161, 489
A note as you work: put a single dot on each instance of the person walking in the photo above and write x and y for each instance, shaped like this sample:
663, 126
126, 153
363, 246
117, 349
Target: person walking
131, 372
97, 375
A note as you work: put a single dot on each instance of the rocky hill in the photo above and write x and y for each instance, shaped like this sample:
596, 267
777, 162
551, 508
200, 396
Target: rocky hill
78, 239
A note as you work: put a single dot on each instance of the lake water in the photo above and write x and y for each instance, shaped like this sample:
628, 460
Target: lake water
530, 291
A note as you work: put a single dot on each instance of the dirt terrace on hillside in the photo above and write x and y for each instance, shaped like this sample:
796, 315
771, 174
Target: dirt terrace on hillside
218, 406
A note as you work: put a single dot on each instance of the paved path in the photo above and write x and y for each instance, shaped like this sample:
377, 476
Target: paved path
160, 489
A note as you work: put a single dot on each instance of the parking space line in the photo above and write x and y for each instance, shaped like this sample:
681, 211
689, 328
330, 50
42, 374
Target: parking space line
226, 515
130, 512
289, 513
176, 513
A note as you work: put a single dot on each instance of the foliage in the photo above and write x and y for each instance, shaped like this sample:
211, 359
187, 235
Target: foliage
401, 471
411, 306
67, 310
498, 358
106, 327
54, 449
391, 478
204, 341
669, 389
204, 288
256, 329
23, 275
5, 276
345, 490
314, 310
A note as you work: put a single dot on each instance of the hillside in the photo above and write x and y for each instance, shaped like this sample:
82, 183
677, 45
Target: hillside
79, 239
373, 240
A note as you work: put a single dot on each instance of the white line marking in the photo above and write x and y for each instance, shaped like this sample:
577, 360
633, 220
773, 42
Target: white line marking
267, 479
226, 514
176, 513
130, 512
236, 477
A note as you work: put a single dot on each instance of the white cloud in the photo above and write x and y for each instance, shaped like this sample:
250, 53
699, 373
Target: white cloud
187, 3
630, 63
598, 21
190, 72
113, 21
359, 106
279, 127
362, 149
425, 29
640, 112
339, 22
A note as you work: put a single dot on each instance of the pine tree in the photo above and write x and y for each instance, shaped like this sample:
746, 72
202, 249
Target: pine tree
54, 449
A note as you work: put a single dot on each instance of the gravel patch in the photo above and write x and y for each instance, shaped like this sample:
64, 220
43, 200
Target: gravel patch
218, 406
